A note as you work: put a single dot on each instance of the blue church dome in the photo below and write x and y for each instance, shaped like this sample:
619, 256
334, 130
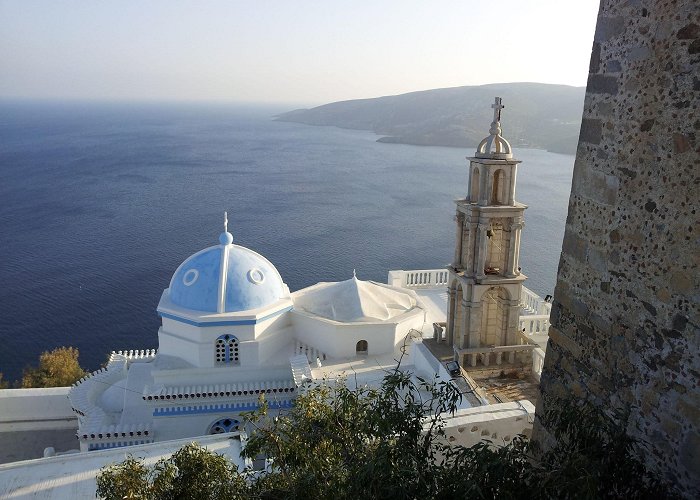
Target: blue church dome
226, 278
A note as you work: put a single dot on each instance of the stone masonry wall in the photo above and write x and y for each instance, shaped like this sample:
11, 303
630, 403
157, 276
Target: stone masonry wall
625, 318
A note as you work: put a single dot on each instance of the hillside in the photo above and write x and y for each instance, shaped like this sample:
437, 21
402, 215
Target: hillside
536, 115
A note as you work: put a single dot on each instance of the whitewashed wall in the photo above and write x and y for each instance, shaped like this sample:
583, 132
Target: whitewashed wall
499, 423
36, 409
339, 340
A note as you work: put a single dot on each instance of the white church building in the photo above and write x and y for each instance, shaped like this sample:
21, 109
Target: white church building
232, 332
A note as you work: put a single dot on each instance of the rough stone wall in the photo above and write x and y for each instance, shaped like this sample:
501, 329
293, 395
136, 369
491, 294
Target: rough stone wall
625, 319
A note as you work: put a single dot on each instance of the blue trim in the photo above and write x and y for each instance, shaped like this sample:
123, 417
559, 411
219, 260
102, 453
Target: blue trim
118, 444
222, 323
203, 409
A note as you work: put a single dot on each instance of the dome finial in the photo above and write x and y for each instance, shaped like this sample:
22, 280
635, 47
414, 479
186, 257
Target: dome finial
354, 274
225, 238
495, 146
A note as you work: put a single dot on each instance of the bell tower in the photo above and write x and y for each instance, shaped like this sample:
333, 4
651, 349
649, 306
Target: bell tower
485, 282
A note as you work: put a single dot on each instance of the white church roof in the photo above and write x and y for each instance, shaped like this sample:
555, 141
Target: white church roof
354, 300
226, 278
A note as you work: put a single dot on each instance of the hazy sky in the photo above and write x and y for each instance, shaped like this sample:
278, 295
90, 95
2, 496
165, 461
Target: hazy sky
297, 51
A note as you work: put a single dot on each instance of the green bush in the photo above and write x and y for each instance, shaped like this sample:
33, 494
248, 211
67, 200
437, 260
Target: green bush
389, 442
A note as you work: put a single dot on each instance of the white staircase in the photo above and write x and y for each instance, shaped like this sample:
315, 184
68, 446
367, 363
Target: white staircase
301, 371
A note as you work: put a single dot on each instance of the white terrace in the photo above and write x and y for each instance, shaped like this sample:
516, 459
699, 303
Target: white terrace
431, 286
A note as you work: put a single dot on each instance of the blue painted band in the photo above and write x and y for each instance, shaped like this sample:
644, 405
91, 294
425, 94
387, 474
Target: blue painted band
239, 322
203, 409
118, 444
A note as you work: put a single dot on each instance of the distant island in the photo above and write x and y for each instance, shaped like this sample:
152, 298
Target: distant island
537, 115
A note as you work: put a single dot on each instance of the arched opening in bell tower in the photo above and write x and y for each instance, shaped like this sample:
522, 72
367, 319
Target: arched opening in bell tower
497, 248
498, 189
474, 194
494, 316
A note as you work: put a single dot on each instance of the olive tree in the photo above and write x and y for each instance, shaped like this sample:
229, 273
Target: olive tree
57, 368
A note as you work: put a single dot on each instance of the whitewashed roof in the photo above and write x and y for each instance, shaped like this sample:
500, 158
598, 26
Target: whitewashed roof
355, 300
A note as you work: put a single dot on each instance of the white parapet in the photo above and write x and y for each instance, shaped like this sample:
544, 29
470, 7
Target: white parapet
498, 423
36, 409
419, 278
532, 303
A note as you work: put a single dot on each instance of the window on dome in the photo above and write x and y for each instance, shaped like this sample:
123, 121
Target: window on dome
361, 347
226, 350
224, 425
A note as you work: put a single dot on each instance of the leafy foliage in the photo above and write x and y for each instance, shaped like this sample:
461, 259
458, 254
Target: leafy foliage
344, 443
4, 384
389, 442
192, 473
57, 368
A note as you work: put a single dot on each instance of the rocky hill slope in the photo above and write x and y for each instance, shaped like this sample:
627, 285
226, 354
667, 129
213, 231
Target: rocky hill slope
536, 115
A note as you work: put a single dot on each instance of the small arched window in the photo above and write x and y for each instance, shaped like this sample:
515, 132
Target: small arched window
226, 350
361, 347
224, 425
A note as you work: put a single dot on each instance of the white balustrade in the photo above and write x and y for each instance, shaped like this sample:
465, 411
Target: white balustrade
537, 363
419, 278
533, 303
534, 324
311, 352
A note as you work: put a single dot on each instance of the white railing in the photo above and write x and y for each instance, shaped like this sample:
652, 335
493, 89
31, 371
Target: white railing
311, 353
533, 324
438, 278
419, 278
533, 303
537, 363
474, 355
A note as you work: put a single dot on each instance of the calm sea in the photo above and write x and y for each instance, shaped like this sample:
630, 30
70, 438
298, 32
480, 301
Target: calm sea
99, 204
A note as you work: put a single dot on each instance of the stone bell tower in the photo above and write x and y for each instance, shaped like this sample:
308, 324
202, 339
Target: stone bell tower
485, 279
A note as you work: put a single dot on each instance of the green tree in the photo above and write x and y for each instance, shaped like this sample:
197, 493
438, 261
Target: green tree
389, 442
4, 384
57, 368
191, 473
